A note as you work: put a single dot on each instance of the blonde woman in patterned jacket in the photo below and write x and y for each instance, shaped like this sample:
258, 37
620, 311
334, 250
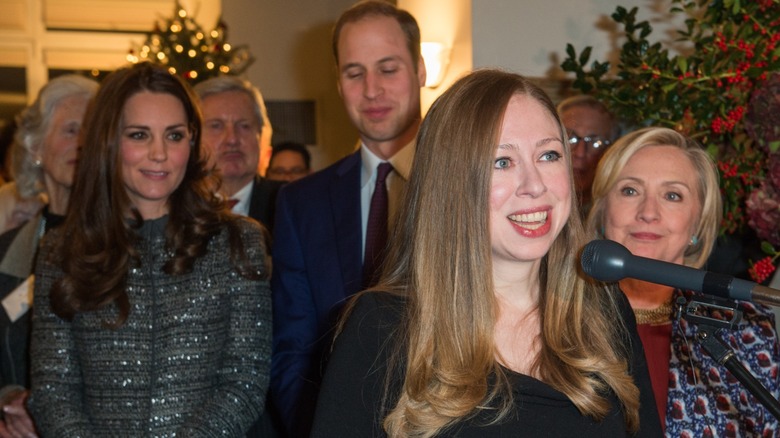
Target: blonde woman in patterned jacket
656, 192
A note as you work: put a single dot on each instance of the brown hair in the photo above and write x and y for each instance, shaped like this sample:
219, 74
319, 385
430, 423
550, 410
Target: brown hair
100, 225
376, 8
444, 269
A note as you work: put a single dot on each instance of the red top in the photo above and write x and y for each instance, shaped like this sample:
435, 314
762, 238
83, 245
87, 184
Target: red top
657, 338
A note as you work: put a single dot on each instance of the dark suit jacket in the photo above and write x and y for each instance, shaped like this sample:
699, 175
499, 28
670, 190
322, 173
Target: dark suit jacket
261, 208
261, 205
317, 265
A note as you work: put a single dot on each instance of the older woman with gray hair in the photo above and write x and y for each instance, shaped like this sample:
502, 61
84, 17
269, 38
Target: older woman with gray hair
43, 162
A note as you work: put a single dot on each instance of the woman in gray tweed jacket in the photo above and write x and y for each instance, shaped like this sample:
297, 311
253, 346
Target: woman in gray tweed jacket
152, 306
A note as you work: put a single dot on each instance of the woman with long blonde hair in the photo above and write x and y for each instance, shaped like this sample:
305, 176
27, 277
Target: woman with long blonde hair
481, 324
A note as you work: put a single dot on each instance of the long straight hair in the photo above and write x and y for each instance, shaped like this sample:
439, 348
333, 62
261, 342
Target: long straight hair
100, 226
440, 260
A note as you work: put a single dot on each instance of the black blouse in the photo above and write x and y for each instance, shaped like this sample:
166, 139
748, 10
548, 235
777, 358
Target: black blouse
350, 401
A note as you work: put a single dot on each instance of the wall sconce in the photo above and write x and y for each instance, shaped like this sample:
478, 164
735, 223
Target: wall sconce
436, 57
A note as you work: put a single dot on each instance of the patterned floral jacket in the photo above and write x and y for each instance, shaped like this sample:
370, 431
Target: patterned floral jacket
705, 399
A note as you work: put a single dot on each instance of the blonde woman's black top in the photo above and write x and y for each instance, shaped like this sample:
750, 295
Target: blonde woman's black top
350, 401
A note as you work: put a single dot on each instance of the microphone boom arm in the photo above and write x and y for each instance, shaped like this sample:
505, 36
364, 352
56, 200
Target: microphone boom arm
718, 350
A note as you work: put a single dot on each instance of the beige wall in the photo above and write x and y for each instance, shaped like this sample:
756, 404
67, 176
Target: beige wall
291, 43
530, 36
447, 22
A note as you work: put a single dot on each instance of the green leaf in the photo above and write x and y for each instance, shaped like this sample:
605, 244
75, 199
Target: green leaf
737, 7
767, 248
585, 55
600, 68
682, 64
570, 51
619, 14
774, 146
669, 87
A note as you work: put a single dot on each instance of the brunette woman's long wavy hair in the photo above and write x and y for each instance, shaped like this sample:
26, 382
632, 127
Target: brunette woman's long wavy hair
440, 261
100, 228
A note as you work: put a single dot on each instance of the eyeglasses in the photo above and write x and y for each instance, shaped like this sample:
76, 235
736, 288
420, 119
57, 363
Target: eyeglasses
594, 141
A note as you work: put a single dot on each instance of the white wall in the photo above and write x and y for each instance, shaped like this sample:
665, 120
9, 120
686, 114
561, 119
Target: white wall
290, 41
530, 36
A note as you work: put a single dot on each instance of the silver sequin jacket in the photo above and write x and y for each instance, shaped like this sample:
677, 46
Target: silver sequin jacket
192, 359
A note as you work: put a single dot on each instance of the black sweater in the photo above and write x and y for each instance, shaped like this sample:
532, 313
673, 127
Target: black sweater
350, 400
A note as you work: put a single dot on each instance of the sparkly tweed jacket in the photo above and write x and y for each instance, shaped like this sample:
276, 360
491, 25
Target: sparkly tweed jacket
192, 358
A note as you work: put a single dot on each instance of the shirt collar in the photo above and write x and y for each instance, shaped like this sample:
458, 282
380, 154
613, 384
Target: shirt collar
242, 196
401, 161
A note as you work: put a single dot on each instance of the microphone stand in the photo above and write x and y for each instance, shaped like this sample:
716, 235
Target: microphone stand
717, 349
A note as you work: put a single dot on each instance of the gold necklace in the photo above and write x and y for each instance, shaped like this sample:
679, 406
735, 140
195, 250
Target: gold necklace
659, 315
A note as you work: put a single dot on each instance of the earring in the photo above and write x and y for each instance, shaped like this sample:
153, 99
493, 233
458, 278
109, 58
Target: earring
37, 162
694, 240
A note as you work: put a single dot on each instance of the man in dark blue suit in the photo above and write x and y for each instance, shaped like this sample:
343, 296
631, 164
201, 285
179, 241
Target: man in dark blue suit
322, 219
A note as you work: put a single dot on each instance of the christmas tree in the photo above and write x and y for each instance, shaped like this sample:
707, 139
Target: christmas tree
182, 45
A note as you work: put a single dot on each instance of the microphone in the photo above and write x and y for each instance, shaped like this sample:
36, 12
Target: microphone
609, 261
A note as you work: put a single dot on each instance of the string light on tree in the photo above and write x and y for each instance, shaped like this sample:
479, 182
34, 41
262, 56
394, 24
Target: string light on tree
183, 46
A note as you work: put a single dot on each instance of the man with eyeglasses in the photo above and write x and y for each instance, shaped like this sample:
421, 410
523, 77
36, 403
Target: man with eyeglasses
289, 161
591, 129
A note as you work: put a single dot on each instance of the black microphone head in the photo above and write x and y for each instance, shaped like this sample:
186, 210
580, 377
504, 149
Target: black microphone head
605, 259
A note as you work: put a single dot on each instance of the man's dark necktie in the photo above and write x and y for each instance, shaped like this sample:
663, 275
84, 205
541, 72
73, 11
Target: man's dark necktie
376, 231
